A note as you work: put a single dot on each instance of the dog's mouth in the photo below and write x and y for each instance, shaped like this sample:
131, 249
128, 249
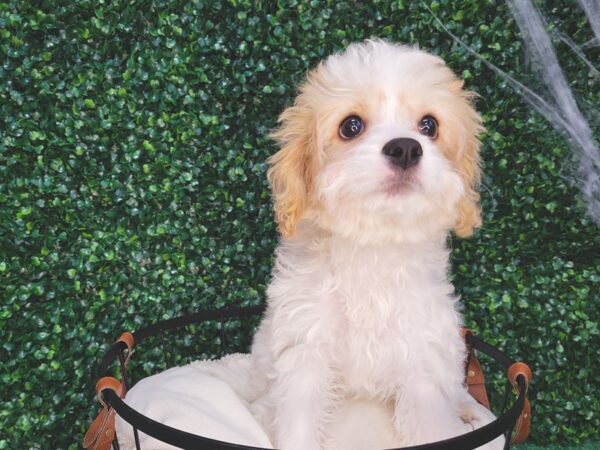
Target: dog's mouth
401, 182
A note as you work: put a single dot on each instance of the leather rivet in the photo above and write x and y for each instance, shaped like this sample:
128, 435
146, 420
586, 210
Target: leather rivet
471, 373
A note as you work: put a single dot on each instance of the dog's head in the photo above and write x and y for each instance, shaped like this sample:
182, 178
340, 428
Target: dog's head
380, 144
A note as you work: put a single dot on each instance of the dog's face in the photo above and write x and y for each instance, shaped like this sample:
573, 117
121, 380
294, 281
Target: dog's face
381, 144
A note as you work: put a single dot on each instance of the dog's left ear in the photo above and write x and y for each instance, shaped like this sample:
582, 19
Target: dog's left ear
291, 168
469, 169
469, 210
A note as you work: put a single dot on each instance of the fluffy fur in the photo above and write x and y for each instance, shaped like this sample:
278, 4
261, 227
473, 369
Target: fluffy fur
360, 310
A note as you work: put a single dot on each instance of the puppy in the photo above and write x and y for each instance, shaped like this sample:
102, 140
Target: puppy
378, 163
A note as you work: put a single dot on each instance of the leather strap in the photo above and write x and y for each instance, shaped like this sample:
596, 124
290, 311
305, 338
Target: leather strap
523, 424
475, 380
109, 383
474, 375
101, 432
127, 339
476, 387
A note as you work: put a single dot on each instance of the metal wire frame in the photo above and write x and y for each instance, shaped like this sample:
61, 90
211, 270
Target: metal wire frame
503, 425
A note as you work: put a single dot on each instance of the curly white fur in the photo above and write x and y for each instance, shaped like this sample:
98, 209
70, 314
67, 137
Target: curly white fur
362, 325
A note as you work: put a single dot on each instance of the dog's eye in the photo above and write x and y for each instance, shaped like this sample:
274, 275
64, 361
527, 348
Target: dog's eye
428, 126
351, 127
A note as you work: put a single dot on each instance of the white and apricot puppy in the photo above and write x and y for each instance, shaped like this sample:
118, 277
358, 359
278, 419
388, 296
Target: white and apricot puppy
378, 163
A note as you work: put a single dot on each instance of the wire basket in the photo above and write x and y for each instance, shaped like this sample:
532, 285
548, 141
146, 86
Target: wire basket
111, 391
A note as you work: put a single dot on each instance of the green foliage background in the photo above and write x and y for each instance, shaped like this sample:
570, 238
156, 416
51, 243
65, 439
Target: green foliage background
132, 188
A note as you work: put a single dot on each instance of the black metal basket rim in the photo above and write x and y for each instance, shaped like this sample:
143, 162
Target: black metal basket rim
503, 425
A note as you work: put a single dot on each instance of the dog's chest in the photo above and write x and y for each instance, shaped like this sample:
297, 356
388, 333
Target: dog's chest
389, 314
374, 313
382, 339
376, 359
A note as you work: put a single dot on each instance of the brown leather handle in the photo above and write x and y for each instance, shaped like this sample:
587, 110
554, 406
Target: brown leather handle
523, 425
101, 432
474, 375
476, 386
109, 383
127, 339
476, 380
516, 369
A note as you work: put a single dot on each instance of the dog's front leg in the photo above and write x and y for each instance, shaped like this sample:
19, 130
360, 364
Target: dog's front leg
424, 413
303, 397
478, 416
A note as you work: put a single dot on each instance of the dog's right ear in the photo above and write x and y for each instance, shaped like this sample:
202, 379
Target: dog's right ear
292, 167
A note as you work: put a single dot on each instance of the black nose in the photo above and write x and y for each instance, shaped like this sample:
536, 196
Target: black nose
403, 152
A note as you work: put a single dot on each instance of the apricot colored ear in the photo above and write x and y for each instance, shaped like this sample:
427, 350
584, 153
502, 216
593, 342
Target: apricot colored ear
470, 216
291, 168
470, 172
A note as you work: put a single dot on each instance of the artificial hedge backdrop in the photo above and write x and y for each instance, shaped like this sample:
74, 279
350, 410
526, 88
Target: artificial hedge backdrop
132, 187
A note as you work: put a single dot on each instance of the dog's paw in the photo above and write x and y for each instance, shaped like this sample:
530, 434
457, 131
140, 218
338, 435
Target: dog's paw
477, 416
